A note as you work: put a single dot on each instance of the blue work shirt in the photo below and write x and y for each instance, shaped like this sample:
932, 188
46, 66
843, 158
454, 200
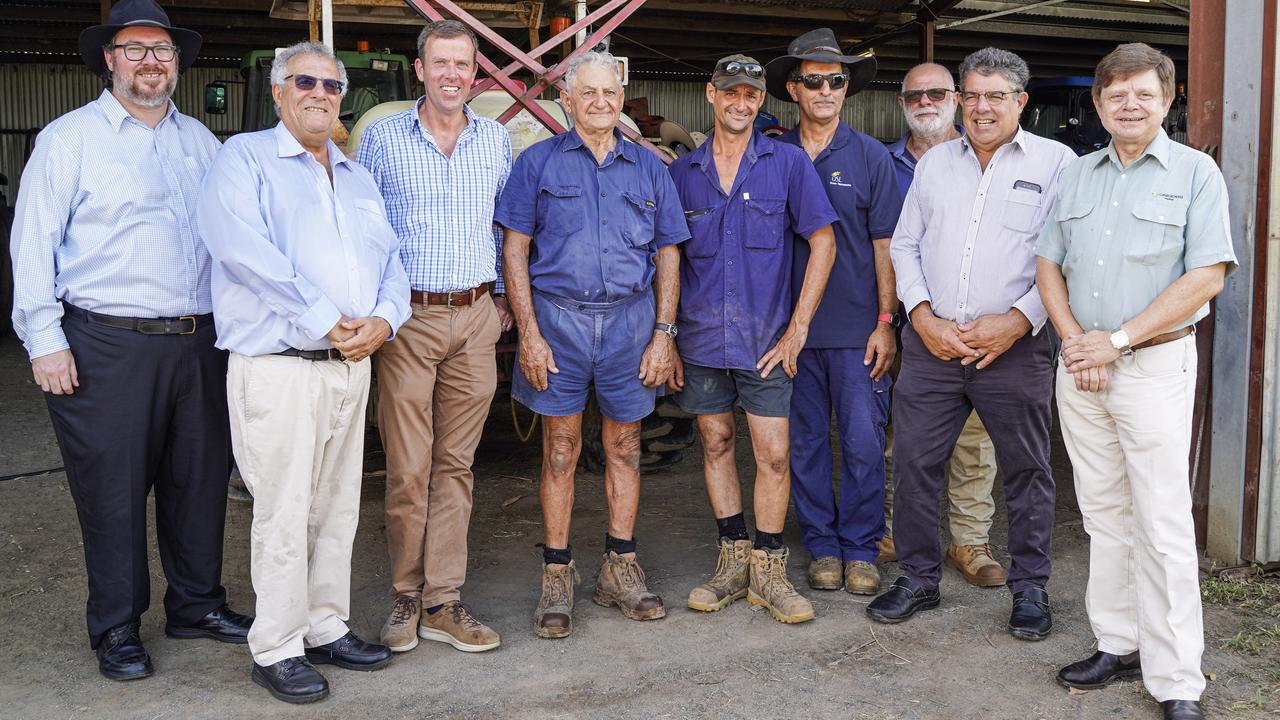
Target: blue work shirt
735, 281
859, 177
596, 227
293, 252
904, 163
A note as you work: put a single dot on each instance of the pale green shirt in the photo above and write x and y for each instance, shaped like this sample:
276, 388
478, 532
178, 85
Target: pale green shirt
1123, 235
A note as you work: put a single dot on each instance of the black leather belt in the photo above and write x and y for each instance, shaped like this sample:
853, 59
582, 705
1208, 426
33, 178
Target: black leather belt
330, 354
185, 325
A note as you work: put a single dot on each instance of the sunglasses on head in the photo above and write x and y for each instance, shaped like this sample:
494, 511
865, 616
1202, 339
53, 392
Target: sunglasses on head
814, 81
935, 94
733, 67
306, 83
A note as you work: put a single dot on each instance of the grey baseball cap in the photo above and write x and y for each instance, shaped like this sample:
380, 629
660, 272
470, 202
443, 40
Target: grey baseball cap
736, 70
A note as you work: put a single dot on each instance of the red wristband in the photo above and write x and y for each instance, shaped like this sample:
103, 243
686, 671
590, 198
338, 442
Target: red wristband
885, 318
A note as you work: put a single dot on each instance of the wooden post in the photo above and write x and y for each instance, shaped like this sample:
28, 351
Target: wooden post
313, 19
926, 40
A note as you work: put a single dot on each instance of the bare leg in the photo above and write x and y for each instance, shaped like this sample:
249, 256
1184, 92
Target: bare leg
622, 476
718, 442
561, 443
770, 442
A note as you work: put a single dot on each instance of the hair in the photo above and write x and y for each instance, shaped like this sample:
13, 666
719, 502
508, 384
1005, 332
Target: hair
990, 61
1131, 59
597, 58
446, 29
943, 68
281, 64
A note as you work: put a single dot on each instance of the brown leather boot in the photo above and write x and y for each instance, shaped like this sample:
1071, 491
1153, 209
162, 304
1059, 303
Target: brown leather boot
621, 583
733, 569
825, 573
554, 616
976, 565
861, 578
769, 588
888, 552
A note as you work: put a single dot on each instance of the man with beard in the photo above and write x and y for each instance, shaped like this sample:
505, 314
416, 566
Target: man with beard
112, 302
928, 103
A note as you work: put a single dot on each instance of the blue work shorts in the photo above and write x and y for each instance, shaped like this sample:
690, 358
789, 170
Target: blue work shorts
592, 343
709, 391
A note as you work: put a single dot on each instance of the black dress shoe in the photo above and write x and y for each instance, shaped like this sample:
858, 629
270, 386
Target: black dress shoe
121, 655
900, 602
1182, 710
293, 680
224, 625
352, 653
1100, 668
1030, 619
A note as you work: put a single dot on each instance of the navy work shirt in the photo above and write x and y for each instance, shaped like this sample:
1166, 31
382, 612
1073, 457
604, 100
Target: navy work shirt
735, 281
858, 174
595, 227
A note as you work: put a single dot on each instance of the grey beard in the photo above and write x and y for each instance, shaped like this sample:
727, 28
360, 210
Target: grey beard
923, 129
161, 98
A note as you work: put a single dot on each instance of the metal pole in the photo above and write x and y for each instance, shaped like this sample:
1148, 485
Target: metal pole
326, 22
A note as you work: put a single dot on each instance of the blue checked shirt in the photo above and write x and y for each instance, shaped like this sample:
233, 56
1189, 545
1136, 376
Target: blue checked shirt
441, 206
106, 221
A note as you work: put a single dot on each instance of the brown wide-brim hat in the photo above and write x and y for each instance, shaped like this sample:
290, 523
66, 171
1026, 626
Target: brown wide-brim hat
817, 46
136, 13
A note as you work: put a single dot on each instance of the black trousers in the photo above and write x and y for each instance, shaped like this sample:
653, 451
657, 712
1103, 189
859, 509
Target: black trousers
150, 413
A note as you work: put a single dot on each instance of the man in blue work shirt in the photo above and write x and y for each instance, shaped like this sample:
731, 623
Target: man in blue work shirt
746, 197
592, 222
851, 344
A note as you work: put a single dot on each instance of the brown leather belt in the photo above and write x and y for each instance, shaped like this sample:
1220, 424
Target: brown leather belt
1167, 337
456, 298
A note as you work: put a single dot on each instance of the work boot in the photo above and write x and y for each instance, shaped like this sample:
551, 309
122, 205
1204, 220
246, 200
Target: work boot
400, 631
769, 587
554, 616
976, 565
621, 583
824, 573
733, 569
888, 552
861, 578
454, 624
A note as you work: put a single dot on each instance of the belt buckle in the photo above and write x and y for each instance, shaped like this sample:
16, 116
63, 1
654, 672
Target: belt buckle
192, 318
336, 354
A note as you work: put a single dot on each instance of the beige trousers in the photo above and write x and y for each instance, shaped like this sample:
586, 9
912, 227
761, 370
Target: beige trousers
971, 474
297, 430
1129, 446
435, 383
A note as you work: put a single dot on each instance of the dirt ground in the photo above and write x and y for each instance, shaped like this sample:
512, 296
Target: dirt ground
956, 662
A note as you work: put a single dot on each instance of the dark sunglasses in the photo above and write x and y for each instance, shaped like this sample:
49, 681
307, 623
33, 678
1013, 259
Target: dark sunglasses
733, 67
935, 94
814, 81
306, 83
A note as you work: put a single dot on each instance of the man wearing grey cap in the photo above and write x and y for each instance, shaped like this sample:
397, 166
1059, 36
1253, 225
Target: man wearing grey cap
746, 197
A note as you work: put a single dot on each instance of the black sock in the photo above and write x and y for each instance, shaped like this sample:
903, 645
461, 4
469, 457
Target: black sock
733, 527
614, 544
553, 556
434, 609
768, 540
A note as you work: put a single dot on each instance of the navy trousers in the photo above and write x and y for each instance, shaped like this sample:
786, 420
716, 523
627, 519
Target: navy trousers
931, 401
845, 523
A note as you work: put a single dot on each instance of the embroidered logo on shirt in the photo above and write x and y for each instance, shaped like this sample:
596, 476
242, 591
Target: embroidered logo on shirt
1167, 196
838, 179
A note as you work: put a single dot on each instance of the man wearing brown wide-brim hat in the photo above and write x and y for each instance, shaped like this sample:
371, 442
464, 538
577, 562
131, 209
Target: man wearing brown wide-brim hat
112, 302
819, 46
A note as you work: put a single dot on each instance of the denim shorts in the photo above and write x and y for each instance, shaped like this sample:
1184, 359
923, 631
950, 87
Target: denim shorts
708, 391
596, 344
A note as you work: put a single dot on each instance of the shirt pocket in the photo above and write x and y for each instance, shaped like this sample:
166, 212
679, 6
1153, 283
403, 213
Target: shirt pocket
704, 240
1021, 208
1072, 218
1158, 232
371, 221
765, 220
641, 211
560, 211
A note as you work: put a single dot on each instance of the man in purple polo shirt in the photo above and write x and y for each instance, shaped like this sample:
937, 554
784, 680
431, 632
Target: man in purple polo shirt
746, 197
845, 363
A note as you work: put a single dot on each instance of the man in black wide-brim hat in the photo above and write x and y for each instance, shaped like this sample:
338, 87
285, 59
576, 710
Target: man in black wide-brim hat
112, 302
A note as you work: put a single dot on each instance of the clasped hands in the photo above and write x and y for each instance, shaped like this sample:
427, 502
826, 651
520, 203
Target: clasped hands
1086, 356
359, 338
980, 341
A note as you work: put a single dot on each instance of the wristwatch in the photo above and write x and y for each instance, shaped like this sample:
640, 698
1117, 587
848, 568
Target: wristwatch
893, 319
1120, 341
668, 328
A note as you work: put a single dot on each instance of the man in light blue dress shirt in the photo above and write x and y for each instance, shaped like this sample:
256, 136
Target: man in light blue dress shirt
307, 283
112, 304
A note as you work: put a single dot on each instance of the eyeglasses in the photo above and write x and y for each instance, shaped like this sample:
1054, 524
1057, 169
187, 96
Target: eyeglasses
912, 97
994, 98
814, 81
733, 67
306, 83
138, 51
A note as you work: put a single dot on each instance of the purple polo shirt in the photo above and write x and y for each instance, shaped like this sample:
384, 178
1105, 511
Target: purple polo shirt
596, 227
858, 175
735, 280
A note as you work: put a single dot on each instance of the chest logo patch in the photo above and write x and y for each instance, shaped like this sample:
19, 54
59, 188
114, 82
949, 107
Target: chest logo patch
838, 179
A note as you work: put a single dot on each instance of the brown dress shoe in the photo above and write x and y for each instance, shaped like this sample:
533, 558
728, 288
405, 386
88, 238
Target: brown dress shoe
888, 552
825, 573
554, 616
621, 583
976, 565
730, 581
400, 631
861, 578
454, 624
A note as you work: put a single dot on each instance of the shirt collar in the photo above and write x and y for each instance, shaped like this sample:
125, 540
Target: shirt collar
623, 149
117, 114
757, 145
288, 146
1019, 139
1159, 148
466, 110
899, 148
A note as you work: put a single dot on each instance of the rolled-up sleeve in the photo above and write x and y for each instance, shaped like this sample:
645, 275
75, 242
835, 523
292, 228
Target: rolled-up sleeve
904, 249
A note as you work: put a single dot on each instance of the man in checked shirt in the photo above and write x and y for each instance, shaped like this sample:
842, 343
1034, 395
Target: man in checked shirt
440, 169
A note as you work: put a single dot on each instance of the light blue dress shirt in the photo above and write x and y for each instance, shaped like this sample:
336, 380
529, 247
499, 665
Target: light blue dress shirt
293, 253
105, 221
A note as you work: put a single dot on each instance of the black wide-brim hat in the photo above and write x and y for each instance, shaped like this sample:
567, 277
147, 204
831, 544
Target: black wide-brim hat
817, 46
136, 13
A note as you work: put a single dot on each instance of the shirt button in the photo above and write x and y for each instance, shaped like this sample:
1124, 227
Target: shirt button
1160, 217
604, 222
728, 232
1108, 232
1115, 204
606, 251
1099, 262
730, 293
730, 262
1122, 177
1095, 324
1095, 294
603, 194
